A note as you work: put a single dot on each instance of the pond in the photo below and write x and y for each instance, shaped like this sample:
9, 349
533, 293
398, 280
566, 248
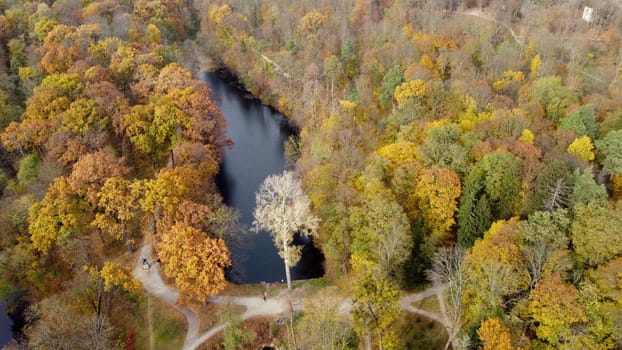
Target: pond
6, 326
258, 133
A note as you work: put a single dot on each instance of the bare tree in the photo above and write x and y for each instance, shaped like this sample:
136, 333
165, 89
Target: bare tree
447, 268
283, 209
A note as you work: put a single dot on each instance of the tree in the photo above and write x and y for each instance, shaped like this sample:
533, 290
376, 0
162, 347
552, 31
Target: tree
474, 213
554, 308
92, 170
490, 192
584, 188
495, 270
60, 328
195, 261
553, 97
582, 121
595, 232
321, 328
494, 335
544, 235
611, 147
283, 209
376, 304
235, 337
393, 78
118, 204
447, 267
551, 188
56, 218
582, 148
162, 196
381, 234
437, 192
442, 147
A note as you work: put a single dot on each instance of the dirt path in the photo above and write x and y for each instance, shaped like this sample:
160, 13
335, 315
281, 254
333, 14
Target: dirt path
152, 282
255, 306
478, 13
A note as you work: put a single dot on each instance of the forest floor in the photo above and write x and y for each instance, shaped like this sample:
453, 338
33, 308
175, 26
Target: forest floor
279, 304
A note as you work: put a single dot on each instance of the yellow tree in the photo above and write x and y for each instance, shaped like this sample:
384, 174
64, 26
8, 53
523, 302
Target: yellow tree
582, 147
118, 205
495, 269
494, 335
56, 218
195, 261
161, 196
554, 308
437, 192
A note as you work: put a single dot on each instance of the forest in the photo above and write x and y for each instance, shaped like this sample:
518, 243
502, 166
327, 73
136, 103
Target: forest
475, 146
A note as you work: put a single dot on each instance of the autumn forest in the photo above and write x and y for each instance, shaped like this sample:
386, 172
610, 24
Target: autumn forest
472, 148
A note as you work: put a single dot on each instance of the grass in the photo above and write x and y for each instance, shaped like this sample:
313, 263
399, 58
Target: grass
428, 304
209, 314
419, 333
169, 326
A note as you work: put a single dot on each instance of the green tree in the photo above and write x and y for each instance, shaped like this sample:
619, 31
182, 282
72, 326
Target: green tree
552, 186
553, 97
381, 234
393, 78
543, 237
584, 188
582, 121
595, 232
28, 171
490, 192
474, 212
235, 337
611, 148
442, 147
501, 182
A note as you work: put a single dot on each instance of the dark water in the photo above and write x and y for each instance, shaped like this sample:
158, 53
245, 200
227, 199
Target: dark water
6, 326
258, 133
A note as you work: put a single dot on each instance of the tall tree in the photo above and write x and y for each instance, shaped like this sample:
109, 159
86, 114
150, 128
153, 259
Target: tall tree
283, 209
437, 191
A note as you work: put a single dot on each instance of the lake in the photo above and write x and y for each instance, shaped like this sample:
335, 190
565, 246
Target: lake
258, 133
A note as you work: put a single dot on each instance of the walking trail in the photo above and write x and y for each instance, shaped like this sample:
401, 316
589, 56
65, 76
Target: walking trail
255, 306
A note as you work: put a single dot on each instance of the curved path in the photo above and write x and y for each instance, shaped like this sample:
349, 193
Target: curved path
255, 306
152, 282
480, 14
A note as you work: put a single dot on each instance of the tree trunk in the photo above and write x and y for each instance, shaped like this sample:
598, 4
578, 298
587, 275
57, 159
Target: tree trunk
287, 273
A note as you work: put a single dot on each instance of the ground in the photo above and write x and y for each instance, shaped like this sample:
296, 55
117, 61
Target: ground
203, 328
